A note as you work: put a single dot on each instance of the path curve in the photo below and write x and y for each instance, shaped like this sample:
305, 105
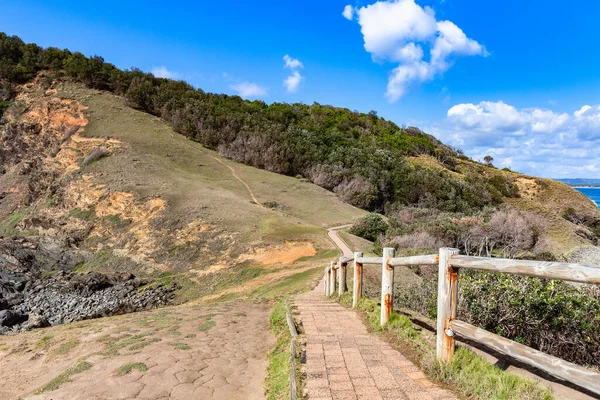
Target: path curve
338, 241
235, 175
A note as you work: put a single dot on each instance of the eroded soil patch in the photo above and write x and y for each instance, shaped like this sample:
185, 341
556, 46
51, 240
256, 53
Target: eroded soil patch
209, 352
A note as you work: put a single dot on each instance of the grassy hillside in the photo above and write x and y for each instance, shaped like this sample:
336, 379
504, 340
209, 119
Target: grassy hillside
157, 203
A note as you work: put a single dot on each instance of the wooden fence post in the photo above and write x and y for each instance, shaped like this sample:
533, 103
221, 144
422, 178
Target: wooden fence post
357, 287
332, 279
342, 284
387, 285
446, 304
326, 280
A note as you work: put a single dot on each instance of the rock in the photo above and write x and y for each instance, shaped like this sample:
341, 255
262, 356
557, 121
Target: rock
29, 299
35, 321
9, 318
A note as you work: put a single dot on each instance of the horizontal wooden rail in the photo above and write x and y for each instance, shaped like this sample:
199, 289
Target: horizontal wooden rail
540, 269
431, 259
583, 377
346, 259
369, 260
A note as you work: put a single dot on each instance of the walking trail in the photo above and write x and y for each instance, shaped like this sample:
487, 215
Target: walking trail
236, 176
337, 240
344, 361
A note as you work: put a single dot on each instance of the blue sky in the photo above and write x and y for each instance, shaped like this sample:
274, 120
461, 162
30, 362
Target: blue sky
512, 79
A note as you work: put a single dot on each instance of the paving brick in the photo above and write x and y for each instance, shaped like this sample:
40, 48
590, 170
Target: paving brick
343, 361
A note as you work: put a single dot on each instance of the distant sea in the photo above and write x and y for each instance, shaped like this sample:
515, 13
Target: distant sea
591, 192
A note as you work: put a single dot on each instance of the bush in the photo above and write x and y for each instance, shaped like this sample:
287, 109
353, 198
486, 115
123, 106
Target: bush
369, 227
554, 317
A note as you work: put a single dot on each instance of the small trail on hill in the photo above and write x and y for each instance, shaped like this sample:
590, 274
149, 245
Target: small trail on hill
235, 175
338, 241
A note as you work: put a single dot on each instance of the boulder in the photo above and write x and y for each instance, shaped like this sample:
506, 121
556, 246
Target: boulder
9, 318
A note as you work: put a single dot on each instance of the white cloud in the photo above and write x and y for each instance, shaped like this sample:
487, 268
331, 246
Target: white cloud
292, 82
398, 30
163, 72
249, 89
488, 117
292, 63
537, 141
348, 12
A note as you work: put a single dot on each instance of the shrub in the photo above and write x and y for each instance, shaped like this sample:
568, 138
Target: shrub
369, 227
555, 317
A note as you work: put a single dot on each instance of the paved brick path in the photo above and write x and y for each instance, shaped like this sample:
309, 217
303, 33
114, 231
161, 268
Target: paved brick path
344, 361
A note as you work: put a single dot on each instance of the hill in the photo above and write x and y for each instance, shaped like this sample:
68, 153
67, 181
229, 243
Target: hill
119, 171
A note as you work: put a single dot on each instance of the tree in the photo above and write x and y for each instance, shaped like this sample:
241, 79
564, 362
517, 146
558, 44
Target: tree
369, 227
488, 160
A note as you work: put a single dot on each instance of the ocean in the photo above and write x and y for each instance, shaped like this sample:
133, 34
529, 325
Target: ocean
591, 192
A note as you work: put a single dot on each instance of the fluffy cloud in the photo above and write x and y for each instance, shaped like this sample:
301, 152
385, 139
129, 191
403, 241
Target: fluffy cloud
532, 140
163, 72
249, 89
348, 12
398, 30
292, 63
292, 82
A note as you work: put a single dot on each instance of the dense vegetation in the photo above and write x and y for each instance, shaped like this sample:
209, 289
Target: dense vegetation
361, 157
555, 317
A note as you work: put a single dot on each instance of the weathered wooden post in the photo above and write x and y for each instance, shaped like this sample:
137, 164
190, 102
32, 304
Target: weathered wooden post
326, 280
446, 304
387, 285
358, 274
332, 278
342, 284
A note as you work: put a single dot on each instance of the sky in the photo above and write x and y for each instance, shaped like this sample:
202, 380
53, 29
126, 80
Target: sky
511, 79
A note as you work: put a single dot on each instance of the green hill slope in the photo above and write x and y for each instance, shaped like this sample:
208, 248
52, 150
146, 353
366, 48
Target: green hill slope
155, 204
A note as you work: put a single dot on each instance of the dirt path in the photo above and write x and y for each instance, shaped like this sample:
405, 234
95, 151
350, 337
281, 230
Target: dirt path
337, 240
235, 175
186, 352
343, 361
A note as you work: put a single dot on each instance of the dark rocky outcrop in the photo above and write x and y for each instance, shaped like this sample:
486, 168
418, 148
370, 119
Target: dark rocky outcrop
38, 287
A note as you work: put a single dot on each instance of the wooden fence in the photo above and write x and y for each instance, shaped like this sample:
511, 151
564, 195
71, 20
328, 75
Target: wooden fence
449, 262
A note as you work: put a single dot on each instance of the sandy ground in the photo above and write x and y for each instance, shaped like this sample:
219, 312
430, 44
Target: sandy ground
206, 352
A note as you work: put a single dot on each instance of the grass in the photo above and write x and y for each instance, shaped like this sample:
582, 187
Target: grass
8, 226
125, 341
207, 325
181, 346
65, 377
357, 243
211, 283
127, 368
277, 380
469, 374
174, 330
44, 342
288, 285
66, 347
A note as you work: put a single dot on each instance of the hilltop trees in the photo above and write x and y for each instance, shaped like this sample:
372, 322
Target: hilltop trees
361, 157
